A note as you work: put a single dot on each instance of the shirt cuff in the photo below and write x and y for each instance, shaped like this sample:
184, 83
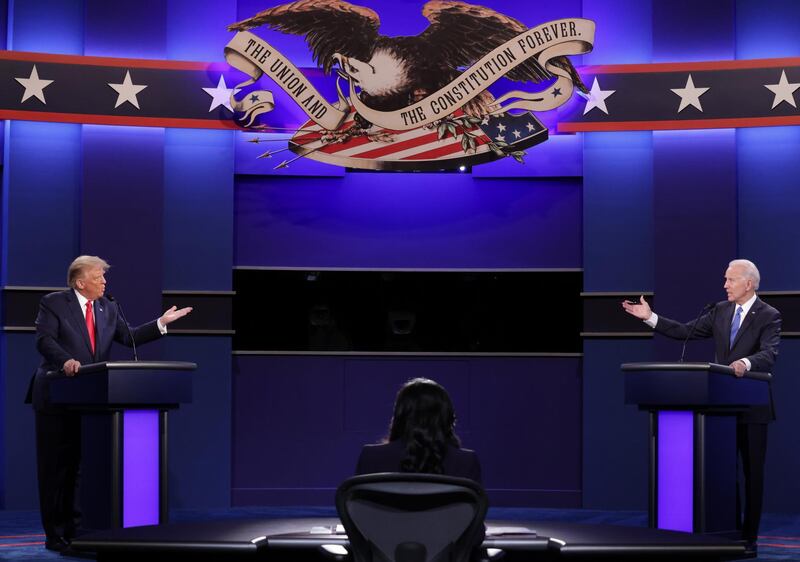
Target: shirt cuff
161, 327
746, 362
652, 321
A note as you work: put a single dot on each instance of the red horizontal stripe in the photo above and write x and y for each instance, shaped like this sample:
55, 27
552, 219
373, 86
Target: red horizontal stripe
111, 61
689, 66
392, 147
579, 127
21, 536
778, 545
9, 545
779, 538
405, 145
88, 119
443, 151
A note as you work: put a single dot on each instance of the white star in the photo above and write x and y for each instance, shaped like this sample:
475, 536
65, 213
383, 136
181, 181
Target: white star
597, 98
501, 128
500, 138
530, 126
34, 86
516, 134
690, 95
221, 95
485, 121
127, 91
783, 90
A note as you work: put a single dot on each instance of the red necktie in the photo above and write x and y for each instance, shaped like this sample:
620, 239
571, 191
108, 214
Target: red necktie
90, 323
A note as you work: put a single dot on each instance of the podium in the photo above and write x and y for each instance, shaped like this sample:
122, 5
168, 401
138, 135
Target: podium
693, 463
124, 406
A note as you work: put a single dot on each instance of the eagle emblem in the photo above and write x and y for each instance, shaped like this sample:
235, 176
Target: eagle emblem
420, 102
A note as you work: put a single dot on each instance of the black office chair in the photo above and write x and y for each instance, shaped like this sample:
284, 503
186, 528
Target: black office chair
406, 517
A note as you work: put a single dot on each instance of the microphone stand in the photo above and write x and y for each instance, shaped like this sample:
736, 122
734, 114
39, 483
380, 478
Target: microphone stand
706, 308
127, 326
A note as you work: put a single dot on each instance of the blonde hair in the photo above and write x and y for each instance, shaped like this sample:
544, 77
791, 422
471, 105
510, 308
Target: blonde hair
82, 263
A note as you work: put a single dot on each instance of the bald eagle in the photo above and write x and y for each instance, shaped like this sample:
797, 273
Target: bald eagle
394, 72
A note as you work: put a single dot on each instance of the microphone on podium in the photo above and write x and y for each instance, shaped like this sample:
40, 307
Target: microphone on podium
111, 298
706, 308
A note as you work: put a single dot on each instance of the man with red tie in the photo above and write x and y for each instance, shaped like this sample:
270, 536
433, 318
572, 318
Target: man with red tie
74, 327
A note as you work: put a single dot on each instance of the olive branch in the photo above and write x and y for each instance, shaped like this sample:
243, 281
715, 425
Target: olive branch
453, 125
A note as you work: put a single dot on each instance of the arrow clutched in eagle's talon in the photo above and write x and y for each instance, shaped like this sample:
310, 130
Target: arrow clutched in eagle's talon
285, 163
269, 153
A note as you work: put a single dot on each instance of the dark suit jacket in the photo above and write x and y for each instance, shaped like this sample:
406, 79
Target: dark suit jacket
387, 458
757, 340
61, 335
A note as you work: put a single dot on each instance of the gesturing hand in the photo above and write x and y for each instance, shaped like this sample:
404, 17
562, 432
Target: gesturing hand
641, 310
173, 314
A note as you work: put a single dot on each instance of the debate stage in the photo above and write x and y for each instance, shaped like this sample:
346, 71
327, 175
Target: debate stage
308, 539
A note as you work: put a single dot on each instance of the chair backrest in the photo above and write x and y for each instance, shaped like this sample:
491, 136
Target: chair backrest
408, 517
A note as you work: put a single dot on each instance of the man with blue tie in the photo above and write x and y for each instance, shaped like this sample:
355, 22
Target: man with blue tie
746, 333
74, 327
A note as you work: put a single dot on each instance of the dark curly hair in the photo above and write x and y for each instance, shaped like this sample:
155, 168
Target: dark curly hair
424, 420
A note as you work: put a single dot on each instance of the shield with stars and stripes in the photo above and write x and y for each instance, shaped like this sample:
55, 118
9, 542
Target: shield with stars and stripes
424, 148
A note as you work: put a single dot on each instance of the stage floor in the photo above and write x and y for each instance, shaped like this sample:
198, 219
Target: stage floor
21, 538
321, 538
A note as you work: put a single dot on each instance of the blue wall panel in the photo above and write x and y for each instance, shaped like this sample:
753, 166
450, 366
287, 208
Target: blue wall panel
42, 175
687, 30
615, 435
19, 360
766, 30
126, 29
197, 30
200, 432
198, 209
46, 26
294, 446
122, 210
695, 217
408, 220
769, 203
618, 212
781, 488
624, 31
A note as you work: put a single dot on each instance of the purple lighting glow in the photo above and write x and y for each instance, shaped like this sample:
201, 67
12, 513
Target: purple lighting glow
140, 488
675, 471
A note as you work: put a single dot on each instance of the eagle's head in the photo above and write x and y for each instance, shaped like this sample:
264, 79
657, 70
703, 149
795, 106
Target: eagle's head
386, 73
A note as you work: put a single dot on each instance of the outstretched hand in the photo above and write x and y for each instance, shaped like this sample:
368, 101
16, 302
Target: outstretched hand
173, 314
641, 310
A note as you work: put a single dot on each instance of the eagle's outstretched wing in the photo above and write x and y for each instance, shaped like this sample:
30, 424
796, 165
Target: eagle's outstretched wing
463, 33
330, 26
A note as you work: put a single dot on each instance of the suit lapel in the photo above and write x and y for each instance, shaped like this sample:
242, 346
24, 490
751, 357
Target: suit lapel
78, 319
727, 318
746, 321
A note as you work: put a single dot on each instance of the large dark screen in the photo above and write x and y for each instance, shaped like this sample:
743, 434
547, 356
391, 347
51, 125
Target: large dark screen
489, 312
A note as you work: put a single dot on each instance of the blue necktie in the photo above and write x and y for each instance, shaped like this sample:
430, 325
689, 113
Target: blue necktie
737, 321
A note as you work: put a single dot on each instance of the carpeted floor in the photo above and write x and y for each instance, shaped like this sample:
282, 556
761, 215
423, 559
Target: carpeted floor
21, 538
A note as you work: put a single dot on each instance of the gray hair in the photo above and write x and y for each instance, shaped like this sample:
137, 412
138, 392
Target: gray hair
750, 271
81, 264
